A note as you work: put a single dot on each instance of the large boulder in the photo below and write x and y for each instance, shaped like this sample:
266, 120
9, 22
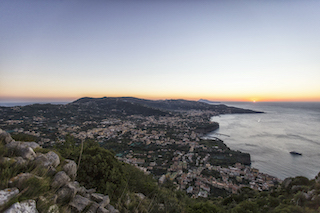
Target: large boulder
7, 194
79, 203
21, 149
102, 210
28, 206
5, 137
60, 179
112, 209
70, 168
18, 180
66, 193
93, 208
19, 161
97, 197
48, 159
105, 201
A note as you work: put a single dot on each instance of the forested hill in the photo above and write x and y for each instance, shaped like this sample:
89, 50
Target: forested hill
167, 105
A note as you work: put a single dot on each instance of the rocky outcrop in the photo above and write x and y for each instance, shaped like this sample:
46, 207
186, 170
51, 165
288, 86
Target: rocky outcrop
47, 160
79, 203
64, 191
60, 179
18, 180
5, 137
28, 206
22, 149
70, 168
7, 194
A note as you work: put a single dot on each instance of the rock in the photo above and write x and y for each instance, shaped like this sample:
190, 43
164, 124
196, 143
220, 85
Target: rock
53, 158
47, 160
20, 161
112, 209
18, 180
102, 210
79, 203
105, 201
53, 209
83, 192
140, 195
60, 179
21, 149
27, 153
66, 193
5, 159
90, 191
7, 194
28, 206
32, 145
5, 137
93, 208
97, 197
51, 171
70, 168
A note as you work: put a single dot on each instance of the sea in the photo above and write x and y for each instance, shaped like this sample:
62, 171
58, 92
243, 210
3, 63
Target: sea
269, 137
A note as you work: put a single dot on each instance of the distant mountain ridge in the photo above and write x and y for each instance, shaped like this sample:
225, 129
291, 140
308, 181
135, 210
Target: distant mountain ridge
156, 105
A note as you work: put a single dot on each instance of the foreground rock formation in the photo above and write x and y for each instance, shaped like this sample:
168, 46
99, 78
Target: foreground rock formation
64, 193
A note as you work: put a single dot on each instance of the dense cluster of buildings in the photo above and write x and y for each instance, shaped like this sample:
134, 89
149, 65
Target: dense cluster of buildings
173, 155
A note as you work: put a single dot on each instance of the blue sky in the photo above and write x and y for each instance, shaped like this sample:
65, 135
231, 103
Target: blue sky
218, 50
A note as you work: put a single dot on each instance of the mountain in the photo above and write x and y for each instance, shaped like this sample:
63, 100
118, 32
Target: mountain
136, 105
208, 102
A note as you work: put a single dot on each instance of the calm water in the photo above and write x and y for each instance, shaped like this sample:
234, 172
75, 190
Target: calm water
270, 136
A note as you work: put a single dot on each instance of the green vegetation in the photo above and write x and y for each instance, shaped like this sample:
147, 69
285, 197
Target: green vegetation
123, 183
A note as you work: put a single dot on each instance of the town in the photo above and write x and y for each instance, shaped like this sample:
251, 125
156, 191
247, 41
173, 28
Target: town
172, 148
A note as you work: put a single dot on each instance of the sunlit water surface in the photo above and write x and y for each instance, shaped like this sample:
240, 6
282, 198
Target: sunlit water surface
269, 137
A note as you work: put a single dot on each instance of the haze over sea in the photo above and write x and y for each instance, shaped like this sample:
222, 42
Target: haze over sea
269, 137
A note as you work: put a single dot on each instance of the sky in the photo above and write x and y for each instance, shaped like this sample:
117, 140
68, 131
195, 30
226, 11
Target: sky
62, 50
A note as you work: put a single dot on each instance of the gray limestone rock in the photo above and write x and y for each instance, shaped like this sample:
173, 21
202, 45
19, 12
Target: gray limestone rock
112, 209
48, 159
93, 208
102, 210
140, 196
18, 180
7, 194
20, 161
33, 145
66, 193
97, 197
53, 158
27, 153
70, 168
5, 137
79, 203
54, 209
21, 149
60, 179
105, 201
5, 159
28, 206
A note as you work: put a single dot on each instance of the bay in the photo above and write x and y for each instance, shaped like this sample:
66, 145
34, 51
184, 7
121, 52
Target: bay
269, 137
